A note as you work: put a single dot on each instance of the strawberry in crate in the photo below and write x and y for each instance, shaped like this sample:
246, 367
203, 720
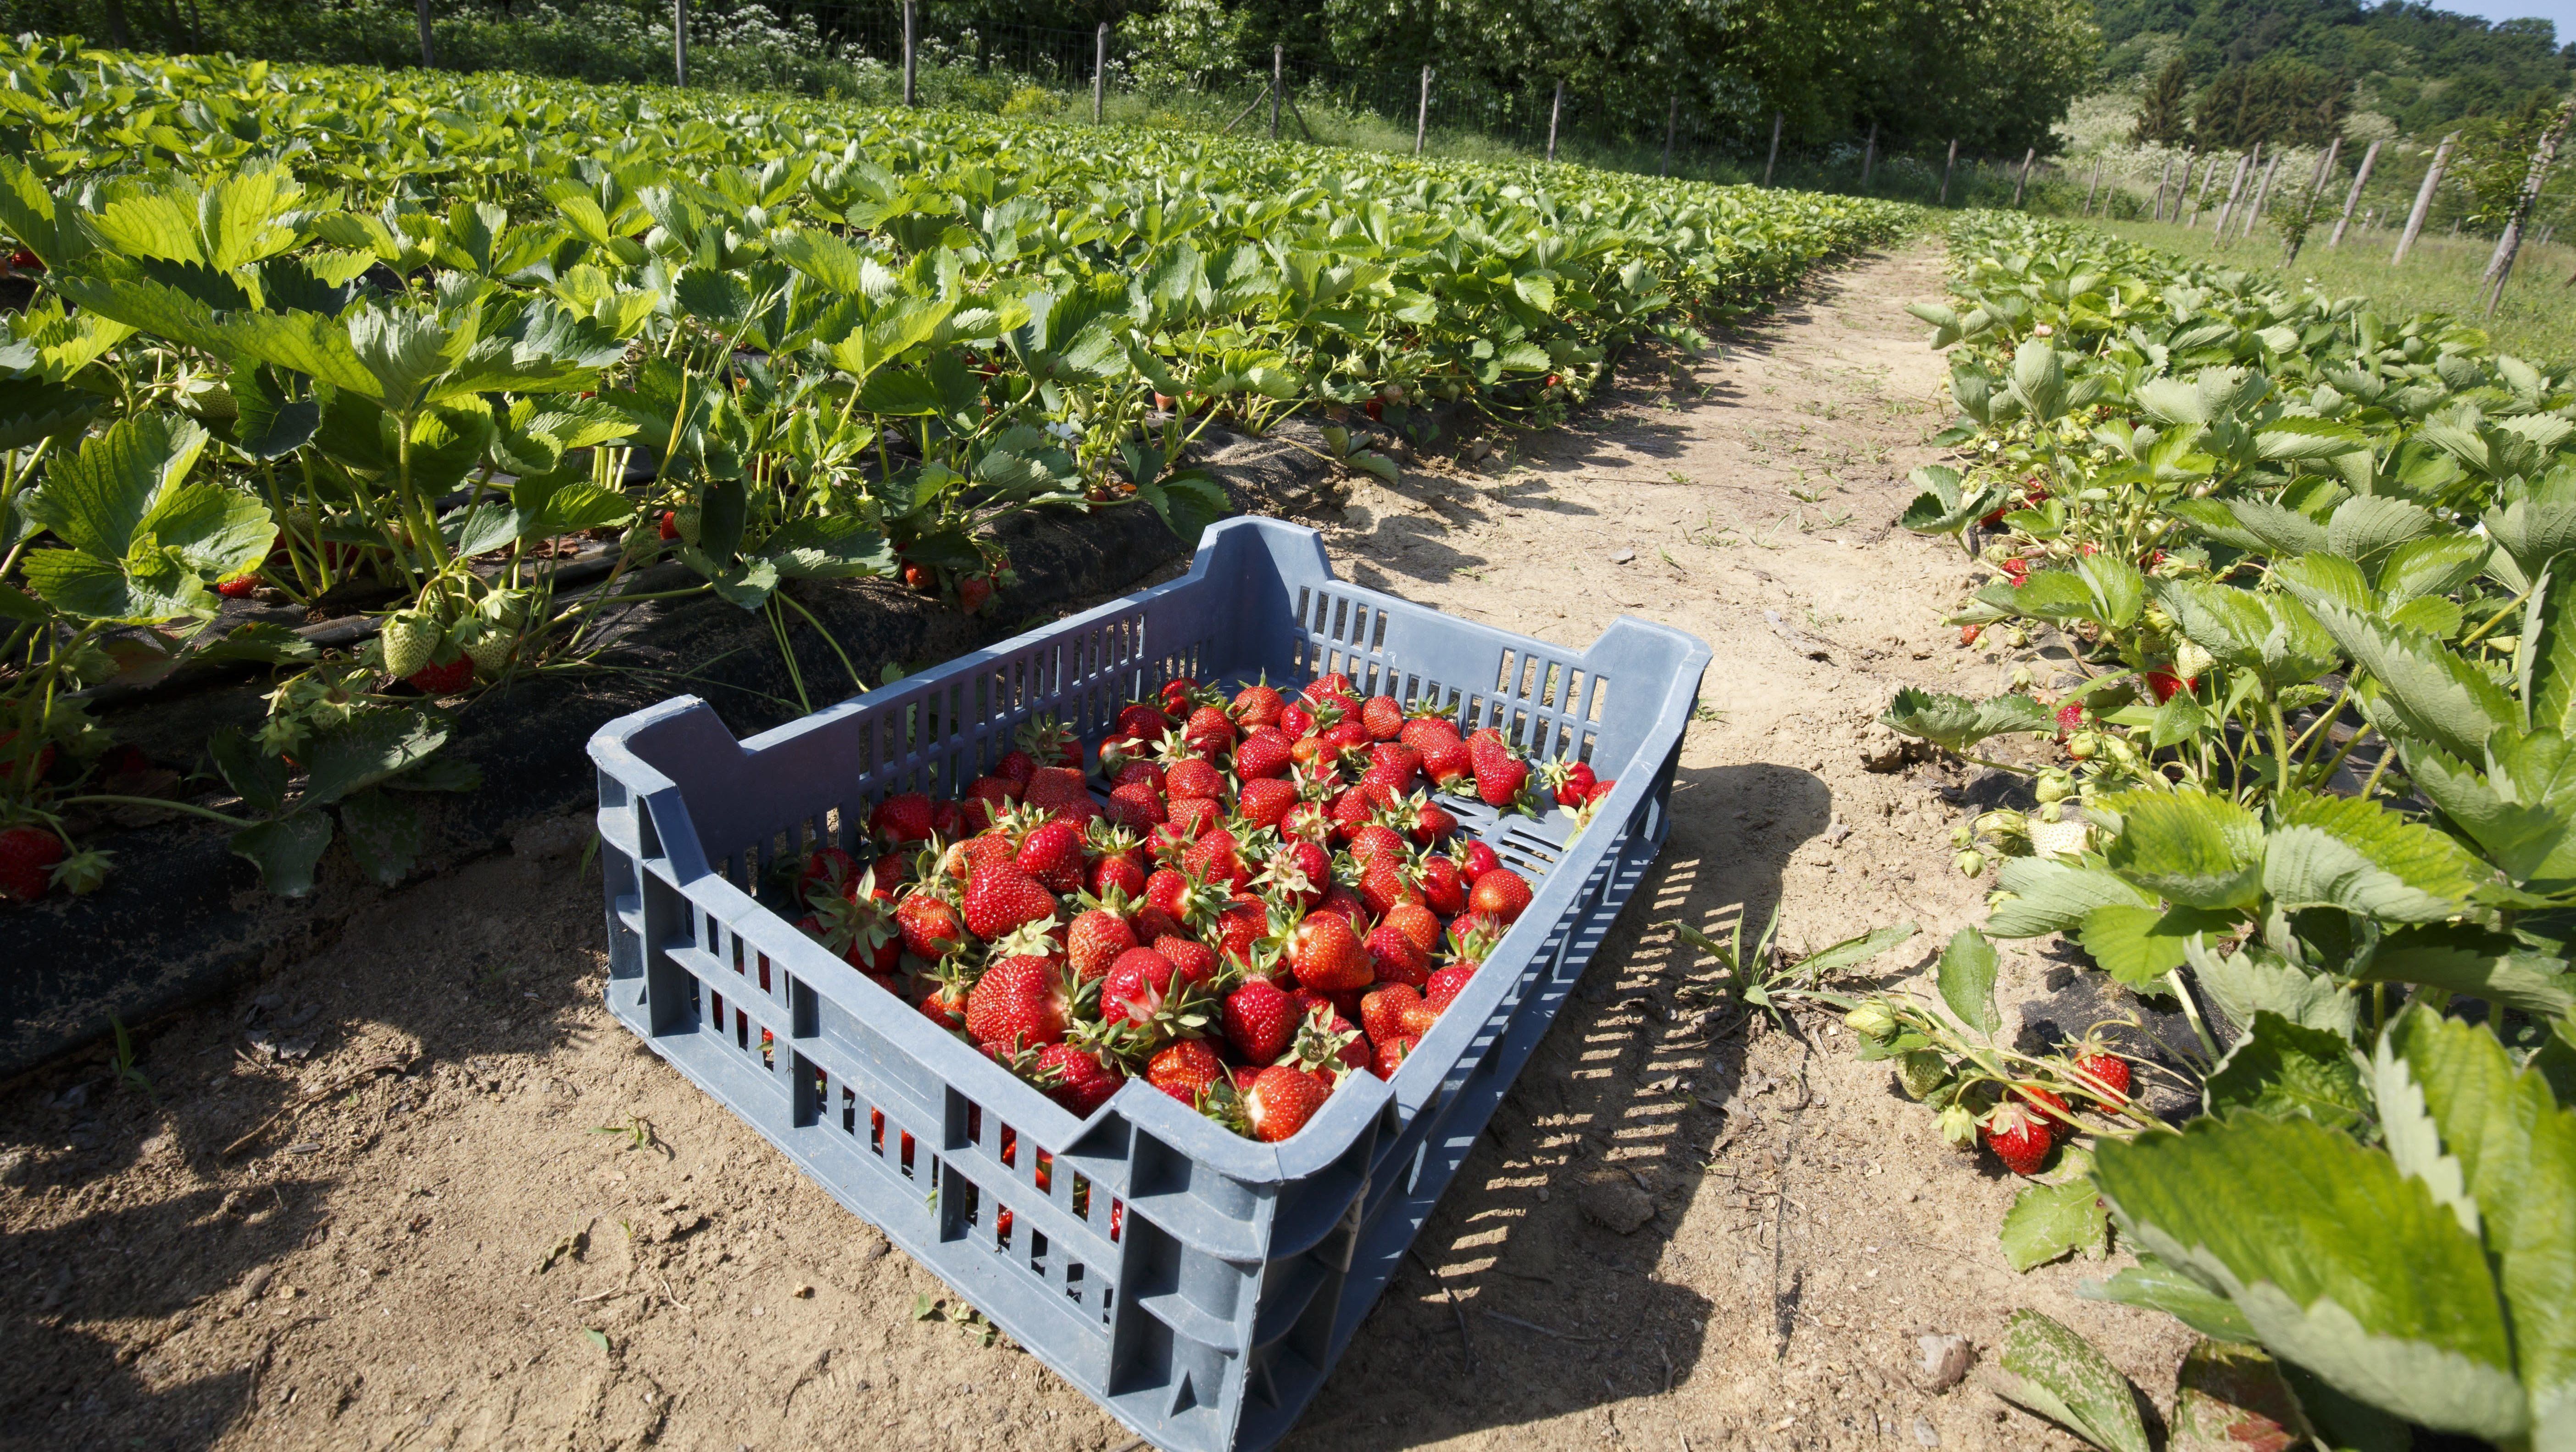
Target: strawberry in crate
1255, 898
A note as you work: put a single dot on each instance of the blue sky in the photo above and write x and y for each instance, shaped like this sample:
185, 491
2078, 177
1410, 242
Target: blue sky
2561, 11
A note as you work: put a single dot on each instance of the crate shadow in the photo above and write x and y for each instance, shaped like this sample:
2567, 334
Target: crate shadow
1523, 1298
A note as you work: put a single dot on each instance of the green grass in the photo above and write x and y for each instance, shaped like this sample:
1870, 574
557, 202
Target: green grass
2536, 321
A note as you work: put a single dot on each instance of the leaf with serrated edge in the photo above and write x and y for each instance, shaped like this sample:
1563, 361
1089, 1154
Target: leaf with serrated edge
2432, 692
2049, 1221
384, 834
2344, 852
2244, 984
2474, 965
2050, 896
2140, 945
1956, 723
2196, 849
2280, 1069
2338, 1261
286, 850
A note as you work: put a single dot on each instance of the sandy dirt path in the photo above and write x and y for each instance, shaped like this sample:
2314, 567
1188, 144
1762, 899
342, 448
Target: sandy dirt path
420, 1191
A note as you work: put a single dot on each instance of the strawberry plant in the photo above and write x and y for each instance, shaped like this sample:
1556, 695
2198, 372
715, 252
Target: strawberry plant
400, 349
2309, 566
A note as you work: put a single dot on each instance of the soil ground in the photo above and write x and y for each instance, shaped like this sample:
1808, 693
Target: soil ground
419, 1190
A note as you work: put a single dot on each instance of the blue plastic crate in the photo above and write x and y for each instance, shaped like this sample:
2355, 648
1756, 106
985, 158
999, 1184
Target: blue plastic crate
1196, 1284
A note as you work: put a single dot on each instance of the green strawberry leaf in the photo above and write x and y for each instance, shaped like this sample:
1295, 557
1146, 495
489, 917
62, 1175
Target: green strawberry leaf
2049, 1222
285, 851
2282, 1068
384, 834
1966, 976
2337, 1260
2052, 1371
2051, 895
2155, 1286
1956, 723
2193, 848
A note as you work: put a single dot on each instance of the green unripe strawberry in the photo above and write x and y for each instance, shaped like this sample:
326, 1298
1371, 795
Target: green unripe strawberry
1922, 1071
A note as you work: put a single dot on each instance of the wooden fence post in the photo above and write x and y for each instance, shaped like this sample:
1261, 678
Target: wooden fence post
1422, 113
2500, 263
1278, 72
2298, 235
1776, 118
2164, 179
1869, 157
1099, 70
1555, 109
2027, 158
428, 59
908, 94
2094, 190
679, 38
2262, 196
2424, 199
1948, 167
2235, 189
2352, 198
1672, 123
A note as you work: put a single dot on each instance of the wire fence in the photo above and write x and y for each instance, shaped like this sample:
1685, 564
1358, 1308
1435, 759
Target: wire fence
888, 52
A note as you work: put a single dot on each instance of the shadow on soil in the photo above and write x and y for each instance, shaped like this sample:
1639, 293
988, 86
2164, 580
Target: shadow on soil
232, 1073
1525, 1299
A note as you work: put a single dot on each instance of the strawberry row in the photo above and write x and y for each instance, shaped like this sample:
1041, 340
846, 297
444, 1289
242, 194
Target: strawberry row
1254, 898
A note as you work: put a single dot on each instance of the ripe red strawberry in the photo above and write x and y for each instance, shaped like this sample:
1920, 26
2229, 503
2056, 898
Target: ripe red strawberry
1324, 951
1571, 782
1500, 893
1447, 761
1331, 683
986, 798
1297, 719
1395, 763
1240, 925
1345, 736
2108, 1073
1443, 887
1259, 1021
1445, 985
1209, 733
1192, 816
1000, 897
1382, 1010
930, 926
1396, 959
1472, 937
2018, 1136
1423, 732
1375, 841
1052, 853
2070, 716
1419, 924
1345, 904
945, 1003
1297, 873
829, 868
1476, 860
1141, 773
1391, 1054
1263, 755
2166, 685
1191, 777
903, 817
1096, 940
240, 587
1135, 805
1280, 1100
1218, 858
28, 856
1382, 717
1122, 872
1500, 776
443, 680
1136, 987
1265, 802
2047, 1105
948, 820
1383, 883
1187, 1071
1080, 1079
1258, 705
1021, 1002
1177, 695
1142, 721
1193, 962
